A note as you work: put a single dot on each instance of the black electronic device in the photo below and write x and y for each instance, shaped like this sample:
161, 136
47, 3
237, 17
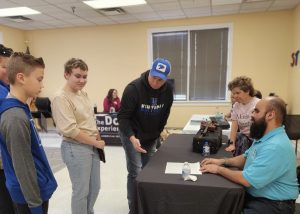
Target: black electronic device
213, 137
220, 122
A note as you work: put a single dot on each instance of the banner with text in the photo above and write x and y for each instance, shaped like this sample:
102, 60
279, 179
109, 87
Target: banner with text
108, 127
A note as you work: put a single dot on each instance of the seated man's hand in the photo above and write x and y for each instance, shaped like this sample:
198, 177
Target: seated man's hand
212, 161
210, 168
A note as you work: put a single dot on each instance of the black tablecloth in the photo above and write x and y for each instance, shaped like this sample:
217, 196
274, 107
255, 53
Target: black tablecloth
160, 193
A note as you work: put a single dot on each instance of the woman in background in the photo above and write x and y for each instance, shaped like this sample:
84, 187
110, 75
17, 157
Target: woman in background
228, 115
243, 93
33, 108
111, 102
74, 117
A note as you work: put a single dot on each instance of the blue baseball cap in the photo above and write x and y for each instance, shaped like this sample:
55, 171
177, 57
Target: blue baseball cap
160, 68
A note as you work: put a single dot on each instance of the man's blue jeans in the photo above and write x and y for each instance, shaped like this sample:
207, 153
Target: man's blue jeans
135, 162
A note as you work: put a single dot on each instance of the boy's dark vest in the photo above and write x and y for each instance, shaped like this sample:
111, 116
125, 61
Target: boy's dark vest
45, 178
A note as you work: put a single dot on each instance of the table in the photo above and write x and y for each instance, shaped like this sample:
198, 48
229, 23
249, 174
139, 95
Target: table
108, 127
160, 193
193, 125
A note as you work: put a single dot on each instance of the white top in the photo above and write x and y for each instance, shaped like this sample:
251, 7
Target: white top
242, 114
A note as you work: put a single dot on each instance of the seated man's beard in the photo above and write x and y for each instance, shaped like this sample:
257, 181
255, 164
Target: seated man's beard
258, 128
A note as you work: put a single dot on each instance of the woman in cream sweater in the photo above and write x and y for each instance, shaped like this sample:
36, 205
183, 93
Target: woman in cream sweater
75, 121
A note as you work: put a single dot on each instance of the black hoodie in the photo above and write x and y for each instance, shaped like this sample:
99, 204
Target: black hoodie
144, 111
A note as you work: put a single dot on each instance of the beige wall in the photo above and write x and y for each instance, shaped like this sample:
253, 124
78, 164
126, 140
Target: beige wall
116, 54
13, 38
294, 73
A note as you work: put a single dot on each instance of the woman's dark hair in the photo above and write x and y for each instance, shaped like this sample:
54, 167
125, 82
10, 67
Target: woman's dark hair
257, 94
110, 94
244, 83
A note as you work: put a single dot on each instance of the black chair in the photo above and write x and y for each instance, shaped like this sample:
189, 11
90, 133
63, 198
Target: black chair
43, 105
292, 127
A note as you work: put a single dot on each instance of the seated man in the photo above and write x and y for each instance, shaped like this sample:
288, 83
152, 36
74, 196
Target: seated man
269, 165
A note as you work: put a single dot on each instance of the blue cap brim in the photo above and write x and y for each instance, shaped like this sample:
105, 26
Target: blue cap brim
158, 74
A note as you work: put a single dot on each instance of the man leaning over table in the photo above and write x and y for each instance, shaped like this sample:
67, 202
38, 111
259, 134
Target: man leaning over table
269, 165
145, 108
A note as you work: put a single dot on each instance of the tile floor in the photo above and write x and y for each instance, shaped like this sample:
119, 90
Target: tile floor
112, 197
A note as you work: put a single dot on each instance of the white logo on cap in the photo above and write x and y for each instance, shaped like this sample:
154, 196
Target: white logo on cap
161, 67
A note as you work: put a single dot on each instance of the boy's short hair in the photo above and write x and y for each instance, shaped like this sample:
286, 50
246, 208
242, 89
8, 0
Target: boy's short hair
22, 63
243, 83
75, 63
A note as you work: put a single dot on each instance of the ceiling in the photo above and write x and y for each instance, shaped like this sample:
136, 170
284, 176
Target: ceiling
74, 13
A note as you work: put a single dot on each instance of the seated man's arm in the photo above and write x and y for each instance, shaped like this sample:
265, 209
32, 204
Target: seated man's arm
238, 161
214, 166
235, 176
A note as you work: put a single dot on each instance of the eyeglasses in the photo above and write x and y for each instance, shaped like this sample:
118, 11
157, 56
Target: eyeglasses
6, 52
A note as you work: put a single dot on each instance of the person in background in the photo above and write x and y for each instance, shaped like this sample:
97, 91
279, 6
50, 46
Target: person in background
33, 108
6, 205
5, 53
243, 93
111, 102
74, 117
145, 108
228, 115
268, 167
257, 94
29, 178
272, 94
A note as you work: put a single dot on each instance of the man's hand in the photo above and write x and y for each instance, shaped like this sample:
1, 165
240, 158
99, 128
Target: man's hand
211, 168
137, 145
207, 161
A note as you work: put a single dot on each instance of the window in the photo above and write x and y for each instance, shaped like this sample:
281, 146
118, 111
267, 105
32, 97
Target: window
199, 60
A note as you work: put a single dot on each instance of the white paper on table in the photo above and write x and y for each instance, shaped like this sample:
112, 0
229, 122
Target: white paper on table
176, 168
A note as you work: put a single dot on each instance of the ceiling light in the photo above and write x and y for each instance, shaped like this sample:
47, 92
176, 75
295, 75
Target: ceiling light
112, 11
113, 3
254, 0
18, 19
225, 2
17, 11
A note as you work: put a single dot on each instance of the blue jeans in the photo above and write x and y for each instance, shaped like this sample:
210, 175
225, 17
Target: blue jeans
242, 143
83, 164
135, 162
